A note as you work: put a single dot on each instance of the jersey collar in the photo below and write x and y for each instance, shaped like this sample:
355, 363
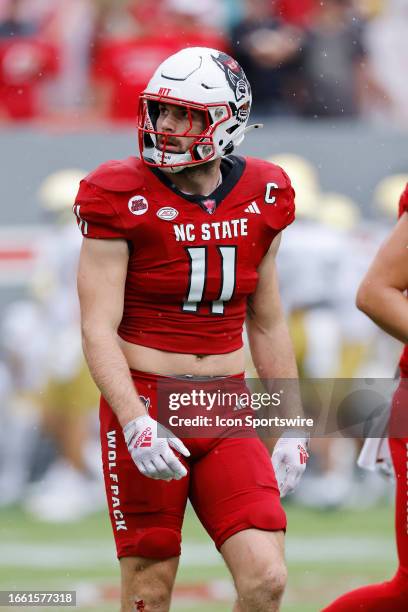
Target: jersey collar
232, 168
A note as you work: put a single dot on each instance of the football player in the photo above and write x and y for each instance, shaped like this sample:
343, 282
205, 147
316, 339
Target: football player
381, 297
179, 246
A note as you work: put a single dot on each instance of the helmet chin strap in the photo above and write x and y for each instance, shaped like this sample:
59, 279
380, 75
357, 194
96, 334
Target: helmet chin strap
169, 169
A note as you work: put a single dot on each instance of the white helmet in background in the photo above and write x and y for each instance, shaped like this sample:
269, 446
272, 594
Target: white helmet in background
58, 190
338, 211
388, 192
305, 180
200, 79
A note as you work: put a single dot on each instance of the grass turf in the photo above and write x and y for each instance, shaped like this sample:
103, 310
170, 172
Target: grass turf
42, 556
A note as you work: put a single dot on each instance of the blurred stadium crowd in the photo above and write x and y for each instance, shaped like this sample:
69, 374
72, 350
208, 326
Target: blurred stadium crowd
80, 62
87, 60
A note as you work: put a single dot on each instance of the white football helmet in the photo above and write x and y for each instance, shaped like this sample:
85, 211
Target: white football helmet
196, 78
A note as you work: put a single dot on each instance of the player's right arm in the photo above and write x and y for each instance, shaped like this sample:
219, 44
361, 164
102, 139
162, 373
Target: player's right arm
381, 293
101, 285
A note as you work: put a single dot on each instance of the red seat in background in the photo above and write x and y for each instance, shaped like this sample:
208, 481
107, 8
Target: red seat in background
126, 65
25, 63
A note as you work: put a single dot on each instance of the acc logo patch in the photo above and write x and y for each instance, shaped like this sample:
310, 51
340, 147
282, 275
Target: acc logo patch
167, 213
138, 205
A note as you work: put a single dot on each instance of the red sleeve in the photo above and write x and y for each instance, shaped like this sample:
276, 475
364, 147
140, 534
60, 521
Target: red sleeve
269, 185
279, 198
403, 202
95, 216
287, 204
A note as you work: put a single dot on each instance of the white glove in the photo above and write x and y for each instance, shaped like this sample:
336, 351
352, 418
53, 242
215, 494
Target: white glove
289, 459
149, 445
375, 455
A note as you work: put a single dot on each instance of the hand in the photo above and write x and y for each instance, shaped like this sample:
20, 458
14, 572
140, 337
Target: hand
289, 459
149, 445
385, 467
375, 455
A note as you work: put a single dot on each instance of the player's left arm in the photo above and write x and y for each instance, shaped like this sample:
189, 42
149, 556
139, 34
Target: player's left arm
381, 293
273, 356
268, 334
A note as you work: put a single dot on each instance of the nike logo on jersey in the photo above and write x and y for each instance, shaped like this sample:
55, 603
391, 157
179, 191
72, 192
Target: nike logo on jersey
253, 208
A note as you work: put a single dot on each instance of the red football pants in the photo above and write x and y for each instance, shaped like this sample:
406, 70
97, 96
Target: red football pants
230, 483
392, 595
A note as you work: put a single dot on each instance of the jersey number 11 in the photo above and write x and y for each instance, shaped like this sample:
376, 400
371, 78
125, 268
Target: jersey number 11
198, 276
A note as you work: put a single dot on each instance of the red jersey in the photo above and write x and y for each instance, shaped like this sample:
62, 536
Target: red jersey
128, 64
192, 259
24, 63
403, 207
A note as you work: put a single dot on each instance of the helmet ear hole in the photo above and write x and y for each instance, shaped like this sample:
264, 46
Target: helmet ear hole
195, 155
229, 148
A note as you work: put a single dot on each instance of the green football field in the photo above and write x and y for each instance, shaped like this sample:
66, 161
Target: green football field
327, 553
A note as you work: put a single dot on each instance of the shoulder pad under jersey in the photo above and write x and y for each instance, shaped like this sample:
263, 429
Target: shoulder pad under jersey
118, 175
96, 205
270, 186
265, 171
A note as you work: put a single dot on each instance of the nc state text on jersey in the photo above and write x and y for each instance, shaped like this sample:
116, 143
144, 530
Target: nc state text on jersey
188, 232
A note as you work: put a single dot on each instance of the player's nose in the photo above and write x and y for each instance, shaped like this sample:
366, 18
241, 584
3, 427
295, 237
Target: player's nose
169, 123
